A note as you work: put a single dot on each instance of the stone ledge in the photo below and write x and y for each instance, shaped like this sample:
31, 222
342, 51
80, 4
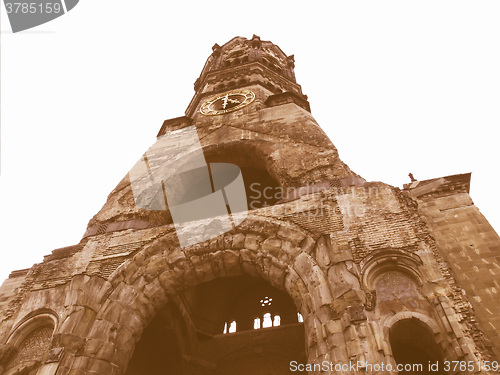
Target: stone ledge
117, 226
443, 186
287, 97
175, 124
19, 273
63, 252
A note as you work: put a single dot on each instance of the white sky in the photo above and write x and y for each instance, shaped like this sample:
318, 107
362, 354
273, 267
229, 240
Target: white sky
399, 87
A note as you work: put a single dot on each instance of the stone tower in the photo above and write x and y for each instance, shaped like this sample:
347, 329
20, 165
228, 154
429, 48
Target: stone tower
315, 271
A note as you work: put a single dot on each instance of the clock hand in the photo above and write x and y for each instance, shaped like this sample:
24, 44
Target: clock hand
225, 101
233, 100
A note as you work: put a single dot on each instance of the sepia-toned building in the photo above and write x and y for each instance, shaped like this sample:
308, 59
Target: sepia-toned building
318, 271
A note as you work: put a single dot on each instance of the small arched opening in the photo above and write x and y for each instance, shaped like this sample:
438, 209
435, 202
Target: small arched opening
414, 348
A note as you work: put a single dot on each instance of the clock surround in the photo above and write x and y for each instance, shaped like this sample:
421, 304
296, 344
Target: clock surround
227, 102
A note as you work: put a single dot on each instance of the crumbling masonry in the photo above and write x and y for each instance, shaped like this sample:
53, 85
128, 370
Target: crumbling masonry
325, 267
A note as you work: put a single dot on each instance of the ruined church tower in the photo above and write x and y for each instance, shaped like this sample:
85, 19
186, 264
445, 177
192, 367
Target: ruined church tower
241, 243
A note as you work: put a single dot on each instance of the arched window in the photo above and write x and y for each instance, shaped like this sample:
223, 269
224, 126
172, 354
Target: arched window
261, 307
256, 323
276, 321
267, 319
32, 340
397, 291
300, 319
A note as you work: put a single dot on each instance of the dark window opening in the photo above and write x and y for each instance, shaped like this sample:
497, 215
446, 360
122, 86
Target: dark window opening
261, 188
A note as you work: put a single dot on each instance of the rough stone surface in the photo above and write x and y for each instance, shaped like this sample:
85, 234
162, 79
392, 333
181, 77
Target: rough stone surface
333, 269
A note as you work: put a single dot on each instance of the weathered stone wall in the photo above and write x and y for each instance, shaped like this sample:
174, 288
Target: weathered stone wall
363, 263
471, 249
269, 138
337, 276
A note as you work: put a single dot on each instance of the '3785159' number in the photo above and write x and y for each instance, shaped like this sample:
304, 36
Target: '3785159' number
470, 366
33, 8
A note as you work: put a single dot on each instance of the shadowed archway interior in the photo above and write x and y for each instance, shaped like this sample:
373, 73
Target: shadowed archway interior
191, 334
413, 343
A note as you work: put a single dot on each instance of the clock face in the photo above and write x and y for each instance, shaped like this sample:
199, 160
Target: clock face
227, 102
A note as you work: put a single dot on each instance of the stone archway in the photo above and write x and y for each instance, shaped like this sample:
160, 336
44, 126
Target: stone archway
412, 338
192, 334
273, 250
